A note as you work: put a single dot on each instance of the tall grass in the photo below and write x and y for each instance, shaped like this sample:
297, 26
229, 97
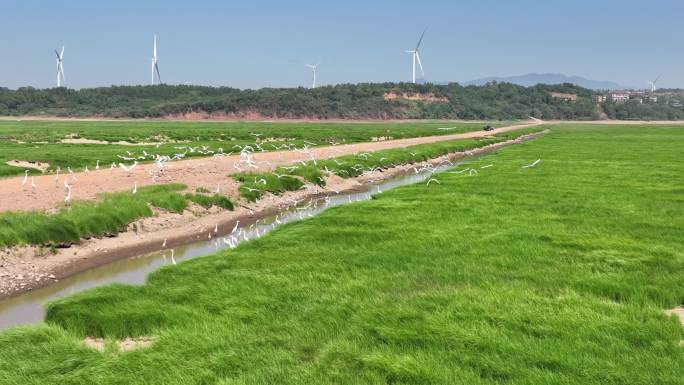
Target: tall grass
253, 185
208, 201
105, 217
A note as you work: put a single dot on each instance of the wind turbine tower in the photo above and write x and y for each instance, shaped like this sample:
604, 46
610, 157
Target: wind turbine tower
313, 68
60, 68
416, 57
653, 84
155, 66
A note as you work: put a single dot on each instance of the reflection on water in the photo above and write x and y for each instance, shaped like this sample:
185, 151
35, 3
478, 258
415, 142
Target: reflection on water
28, 307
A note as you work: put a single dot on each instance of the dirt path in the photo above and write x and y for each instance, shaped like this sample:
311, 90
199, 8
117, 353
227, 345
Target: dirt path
198, 172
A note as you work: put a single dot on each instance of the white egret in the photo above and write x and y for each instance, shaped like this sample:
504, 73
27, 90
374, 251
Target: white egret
532, 164
67, 199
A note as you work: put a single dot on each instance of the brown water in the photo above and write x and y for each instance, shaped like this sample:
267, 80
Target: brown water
28, 307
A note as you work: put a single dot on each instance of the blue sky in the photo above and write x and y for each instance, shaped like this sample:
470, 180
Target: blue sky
266, 43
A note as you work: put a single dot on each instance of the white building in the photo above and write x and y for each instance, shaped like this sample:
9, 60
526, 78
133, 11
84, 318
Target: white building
619, 97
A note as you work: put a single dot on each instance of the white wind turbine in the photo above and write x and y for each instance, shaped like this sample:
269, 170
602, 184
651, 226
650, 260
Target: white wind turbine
653, 83
155, 67
313, 68
416, 57
60, 68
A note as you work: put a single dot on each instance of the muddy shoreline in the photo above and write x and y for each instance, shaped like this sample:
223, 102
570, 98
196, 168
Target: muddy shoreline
34, 267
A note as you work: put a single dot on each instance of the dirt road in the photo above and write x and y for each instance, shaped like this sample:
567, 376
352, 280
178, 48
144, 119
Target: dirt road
198, 172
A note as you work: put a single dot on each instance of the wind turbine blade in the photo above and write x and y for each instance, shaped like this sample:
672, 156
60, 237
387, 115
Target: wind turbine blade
57, 53
421, 39
156, 67
154, 53
61, 55
656, 79
420, 64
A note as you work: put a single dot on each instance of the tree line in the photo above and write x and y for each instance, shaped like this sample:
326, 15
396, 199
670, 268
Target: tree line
493, 101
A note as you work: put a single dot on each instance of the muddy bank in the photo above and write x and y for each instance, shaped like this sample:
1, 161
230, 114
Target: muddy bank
26, 268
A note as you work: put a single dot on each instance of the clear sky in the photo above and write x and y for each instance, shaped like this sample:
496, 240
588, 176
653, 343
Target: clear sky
253, 44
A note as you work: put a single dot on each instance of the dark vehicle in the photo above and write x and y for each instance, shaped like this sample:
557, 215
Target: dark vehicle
489, 128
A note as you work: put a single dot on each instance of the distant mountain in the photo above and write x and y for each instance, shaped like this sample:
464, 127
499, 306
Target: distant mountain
534, 79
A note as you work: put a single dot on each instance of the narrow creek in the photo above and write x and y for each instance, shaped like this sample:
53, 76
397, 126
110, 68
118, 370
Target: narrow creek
28, 307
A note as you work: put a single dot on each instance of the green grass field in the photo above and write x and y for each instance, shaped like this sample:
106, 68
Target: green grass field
40, 140
556, 274
107, 216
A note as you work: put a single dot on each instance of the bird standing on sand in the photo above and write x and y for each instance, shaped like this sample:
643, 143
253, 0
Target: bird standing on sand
67, 199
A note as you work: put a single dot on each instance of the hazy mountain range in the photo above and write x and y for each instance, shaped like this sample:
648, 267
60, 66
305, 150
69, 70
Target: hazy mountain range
534, 79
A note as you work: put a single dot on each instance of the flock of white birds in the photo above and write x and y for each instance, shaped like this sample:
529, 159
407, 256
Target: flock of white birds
247, 162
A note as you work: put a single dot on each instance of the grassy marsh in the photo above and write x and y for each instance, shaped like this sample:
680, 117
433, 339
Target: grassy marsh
556, 274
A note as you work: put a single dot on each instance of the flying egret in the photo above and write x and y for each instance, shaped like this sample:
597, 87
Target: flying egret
128, 169
25, 177
532, 164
